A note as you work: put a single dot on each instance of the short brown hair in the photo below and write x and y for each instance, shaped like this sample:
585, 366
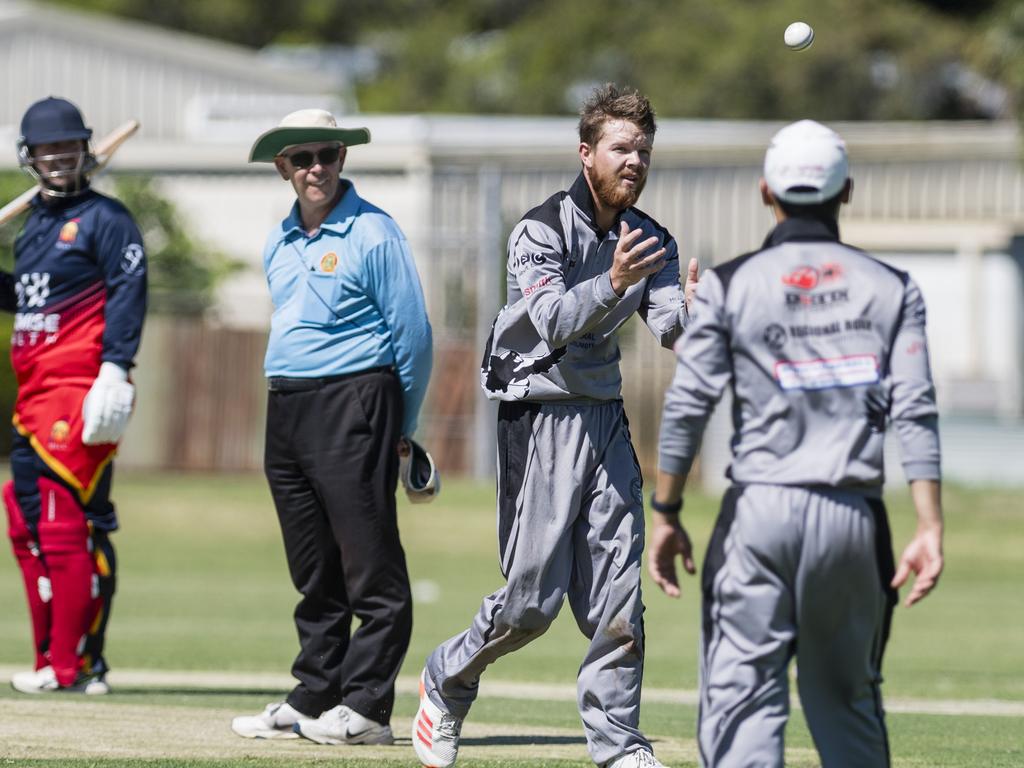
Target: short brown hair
609, 102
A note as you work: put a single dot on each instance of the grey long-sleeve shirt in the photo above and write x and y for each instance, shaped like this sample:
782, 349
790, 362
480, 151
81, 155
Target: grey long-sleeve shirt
555, 339
823, 347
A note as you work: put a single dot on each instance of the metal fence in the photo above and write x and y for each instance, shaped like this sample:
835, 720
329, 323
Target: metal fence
211, 398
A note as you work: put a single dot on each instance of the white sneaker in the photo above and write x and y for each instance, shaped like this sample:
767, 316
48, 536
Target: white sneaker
343, 725
275, 722
45, 681
435, 733
641, 758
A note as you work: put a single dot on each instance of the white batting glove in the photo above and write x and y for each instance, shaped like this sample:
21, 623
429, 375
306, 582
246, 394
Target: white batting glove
107, 406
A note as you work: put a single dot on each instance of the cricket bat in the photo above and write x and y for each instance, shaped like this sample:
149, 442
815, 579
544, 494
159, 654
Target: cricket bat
103, 150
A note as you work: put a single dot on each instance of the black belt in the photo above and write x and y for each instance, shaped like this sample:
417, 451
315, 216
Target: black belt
304, 384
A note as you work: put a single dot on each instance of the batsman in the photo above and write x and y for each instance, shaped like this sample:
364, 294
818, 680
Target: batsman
78, 294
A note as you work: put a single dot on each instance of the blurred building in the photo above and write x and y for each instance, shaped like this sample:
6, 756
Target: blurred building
943, 200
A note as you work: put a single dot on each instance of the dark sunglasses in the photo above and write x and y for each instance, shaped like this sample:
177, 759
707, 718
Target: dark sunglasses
304, 158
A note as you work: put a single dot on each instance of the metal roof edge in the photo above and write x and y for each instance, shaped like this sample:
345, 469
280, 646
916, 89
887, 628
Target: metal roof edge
152, 41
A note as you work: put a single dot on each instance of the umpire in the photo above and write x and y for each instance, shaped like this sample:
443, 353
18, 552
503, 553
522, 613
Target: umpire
348, 361
823, 347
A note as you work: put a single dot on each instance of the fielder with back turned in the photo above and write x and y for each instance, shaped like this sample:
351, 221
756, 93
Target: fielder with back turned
79, 296
823, 347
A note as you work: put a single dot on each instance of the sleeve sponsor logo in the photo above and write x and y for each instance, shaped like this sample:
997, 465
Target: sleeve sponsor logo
133, 259
530, 290
829, 373
520, 262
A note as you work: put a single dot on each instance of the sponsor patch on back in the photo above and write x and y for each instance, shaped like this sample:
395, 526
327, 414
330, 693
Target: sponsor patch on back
831, 373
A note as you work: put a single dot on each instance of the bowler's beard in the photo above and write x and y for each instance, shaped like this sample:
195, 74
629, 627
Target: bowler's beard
609, 193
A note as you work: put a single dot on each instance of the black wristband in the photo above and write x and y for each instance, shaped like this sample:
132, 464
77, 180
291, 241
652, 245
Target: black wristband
666, 509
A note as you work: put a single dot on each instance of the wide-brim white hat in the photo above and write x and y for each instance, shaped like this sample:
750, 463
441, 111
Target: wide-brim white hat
307, 126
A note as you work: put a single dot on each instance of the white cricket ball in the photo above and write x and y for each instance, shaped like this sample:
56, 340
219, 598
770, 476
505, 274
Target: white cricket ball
799, 35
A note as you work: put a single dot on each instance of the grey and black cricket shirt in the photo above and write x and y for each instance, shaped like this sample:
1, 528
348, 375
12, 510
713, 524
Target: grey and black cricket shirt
555, 339
823, 347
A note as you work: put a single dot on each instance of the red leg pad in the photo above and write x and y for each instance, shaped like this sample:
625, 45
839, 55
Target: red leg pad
65, 544
33, 571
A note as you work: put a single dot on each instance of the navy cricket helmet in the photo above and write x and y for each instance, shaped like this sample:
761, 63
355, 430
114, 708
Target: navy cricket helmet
51, 120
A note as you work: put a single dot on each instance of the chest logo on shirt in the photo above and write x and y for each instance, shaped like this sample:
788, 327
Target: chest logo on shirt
69, 231
68, 234
33, 289
329, 262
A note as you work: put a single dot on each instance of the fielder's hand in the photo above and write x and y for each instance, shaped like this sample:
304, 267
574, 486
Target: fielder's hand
668, 538
690, 287
923, 556
107, 406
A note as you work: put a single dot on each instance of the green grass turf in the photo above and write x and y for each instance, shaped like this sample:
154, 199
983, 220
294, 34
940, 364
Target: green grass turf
203, 586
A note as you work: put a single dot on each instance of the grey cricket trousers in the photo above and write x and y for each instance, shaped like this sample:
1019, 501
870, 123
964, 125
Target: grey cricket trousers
570, 523
801, 572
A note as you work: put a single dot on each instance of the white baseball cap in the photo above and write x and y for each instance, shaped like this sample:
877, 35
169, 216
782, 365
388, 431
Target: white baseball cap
806, 163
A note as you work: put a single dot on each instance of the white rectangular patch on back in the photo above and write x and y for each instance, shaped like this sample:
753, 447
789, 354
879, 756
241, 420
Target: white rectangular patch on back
849, 371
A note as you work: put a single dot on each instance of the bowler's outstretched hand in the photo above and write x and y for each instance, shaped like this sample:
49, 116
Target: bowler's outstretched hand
668, 539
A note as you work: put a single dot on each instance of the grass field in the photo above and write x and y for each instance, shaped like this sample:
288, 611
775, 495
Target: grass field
204, 589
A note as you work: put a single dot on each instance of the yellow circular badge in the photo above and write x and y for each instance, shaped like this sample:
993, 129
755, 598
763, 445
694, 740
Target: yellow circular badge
329, 262
60, 431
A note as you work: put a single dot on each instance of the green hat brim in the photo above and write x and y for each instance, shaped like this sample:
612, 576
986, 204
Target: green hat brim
270, 144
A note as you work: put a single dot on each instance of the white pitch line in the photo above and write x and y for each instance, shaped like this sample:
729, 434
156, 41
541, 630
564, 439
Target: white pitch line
241, 681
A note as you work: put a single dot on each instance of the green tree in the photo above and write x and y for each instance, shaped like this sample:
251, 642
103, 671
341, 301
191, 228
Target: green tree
183, 274
998, 51
873, 59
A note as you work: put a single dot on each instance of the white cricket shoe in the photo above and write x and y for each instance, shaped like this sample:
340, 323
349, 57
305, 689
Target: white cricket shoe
45, 681
641, 758
275, 722
435, 733
343, 725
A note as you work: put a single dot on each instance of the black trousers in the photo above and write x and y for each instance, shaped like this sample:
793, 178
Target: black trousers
332, 466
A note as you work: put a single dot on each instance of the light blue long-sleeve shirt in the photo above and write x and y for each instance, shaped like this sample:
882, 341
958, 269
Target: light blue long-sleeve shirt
346, 299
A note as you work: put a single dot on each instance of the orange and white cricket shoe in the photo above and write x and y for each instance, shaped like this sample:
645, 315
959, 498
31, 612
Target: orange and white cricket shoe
435, 733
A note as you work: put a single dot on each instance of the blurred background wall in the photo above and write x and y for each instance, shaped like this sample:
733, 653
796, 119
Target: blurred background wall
943, 199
